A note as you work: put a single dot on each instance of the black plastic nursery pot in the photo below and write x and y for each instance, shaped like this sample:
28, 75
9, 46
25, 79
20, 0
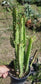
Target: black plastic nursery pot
15, 80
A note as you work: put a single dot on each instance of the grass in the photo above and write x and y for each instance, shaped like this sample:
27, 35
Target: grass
3, 63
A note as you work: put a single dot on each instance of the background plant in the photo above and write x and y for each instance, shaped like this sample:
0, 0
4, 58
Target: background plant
30, 1
29, 12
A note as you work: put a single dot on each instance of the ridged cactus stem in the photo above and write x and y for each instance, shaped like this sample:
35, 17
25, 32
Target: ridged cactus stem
22, 46
15, 34
28, 54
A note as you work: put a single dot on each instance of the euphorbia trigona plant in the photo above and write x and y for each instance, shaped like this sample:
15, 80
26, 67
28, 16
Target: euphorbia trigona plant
21, 61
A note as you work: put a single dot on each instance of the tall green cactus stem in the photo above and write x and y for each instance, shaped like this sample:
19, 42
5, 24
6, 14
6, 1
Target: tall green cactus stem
15, 16
15, 34
17, 39
22, 46
14, 29
28, 54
